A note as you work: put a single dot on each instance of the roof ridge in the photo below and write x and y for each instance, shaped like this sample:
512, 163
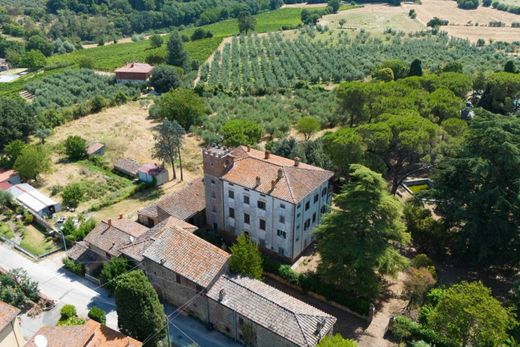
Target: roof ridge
288, 184
301, 330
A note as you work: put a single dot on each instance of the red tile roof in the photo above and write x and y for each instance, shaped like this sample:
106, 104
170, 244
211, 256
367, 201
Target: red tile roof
5, 185
94, 147
7, 314
6, 175
188, 255
136, 68
151, 169
279, 176
90, 334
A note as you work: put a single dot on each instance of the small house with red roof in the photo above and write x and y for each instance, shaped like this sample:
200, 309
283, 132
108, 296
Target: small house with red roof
134, 72
150, 173
8, 178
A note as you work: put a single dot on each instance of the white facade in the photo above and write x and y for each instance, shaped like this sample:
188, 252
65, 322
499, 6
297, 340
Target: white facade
281, 227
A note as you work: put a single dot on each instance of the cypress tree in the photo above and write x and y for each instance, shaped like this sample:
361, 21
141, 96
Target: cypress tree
176, 53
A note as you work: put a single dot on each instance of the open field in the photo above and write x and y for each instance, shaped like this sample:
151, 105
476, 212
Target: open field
37, 243
374, 18
462, 23
126, 131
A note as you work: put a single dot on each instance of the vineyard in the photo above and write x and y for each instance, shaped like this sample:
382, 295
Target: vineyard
259, 64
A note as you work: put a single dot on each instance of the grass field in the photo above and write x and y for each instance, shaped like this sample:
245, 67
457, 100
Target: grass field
36, 242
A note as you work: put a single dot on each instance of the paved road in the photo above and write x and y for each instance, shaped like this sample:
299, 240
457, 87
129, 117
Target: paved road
67, 288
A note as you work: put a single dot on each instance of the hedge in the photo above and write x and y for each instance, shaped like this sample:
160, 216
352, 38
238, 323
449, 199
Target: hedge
313, 283
97, 314
404, 329
75, 267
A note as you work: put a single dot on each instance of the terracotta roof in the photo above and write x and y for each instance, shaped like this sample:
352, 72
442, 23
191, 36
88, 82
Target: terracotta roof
187, 255
136, 68
81, 253
7, 314
111, 238
127, 166
90, 334
276, 311
5, 185
151, 169
291, 183
181, 204
94, 147
6, 175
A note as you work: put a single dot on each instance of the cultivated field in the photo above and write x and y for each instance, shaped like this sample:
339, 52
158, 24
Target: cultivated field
463, 23
374, 18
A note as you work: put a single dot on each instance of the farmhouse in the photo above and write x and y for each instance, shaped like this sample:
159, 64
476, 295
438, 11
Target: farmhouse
187, 204
134, 72
152, 173
10, 332
33, 200
276, 201
127, 167
257, 314
90, 334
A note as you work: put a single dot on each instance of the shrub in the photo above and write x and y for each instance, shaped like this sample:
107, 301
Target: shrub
67, 312
468, 4
97, 314
75, 148
421, 260
111, 270
86, 63
405, 329
72, 194
75, 267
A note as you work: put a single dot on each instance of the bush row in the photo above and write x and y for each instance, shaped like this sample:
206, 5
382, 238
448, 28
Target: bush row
313, 283
407, 330
75, 267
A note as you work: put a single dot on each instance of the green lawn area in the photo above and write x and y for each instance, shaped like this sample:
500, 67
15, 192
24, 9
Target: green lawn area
35, 242
5, 231
419, 187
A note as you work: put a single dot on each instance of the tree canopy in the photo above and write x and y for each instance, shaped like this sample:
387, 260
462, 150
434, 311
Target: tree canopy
164, 78
176, 53
76, 147
307, 126
168, 143
182, 105
245, 258
241, 132
16, 120
32, 161
354, 239
336, 341
139, 312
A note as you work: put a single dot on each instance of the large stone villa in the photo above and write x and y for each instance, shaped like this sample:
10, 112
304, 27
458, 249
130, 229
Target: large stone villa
276, 201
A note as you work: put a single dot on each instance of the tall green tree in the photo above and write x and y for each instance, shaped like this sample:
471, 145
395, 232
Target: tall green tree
402, 143
164, 78
182, 105
336, 341
16, 120
478, 194
246, 22
415, 68
245, 258
32, 161
12, 151
156, 41
139, 312
356, 239
501, 93
76, 147
168, 144
112, 270
468, 315
307, 126
176, 53
344, 147
510, 67
354, 98
241, 132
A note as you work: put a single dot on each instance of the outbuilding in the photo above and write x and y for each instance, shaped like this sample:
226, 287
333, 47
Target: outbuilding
33, 200
134, 72
150, 173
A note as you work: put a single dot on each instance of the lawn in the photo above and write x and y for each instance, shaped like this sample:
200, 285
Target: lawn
6, 232
35, 242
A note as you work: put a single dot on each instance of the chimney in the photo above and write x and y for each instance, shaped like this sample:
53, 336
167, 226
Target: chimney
258, 181
109, 222
248, 148
280, 174
120, 216
296, 161
273, 184
267, 153
221, 295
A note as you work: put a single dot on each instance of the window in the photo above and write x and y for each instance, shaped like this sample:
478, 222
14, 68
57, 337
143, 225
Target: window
316, 197
246, 199
324, 191
298, 227
246, 218
241, 321
323, 209
282, 219
231, 194
213, 195
282, 205
178, 278
299, 205
298, 215
307, 205
231, 184
231, 212
246, 189
297, 237
281, 233
281, 251
307, 224
262, 224
314, 217
261, 204
212, 181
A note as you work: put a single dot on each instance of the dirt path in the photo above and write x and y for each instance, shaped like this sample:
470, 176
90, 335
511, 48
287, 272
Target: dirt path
374, 335
212, 57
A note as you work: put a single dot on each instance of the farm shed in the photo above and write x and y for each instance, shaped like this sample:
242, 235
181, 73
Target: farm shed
95, 148
134, 72
33, 200
8, 178
151, 172
126, 166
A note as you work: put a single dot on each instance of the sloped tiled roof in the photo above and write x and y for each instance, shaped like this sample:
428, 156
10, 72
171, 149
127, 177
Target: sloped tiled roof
7, 314
90, 334
181, 204
127, 166
121, 233
276, 311
295, 183
94, 147
136, 68
188, 255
